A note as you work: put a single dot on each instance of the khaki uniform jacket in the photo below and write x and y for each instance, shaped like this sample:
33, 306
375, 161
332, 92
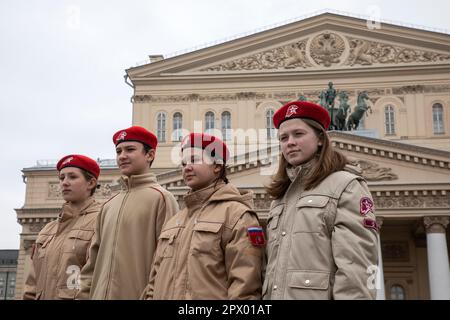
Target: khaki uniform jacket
204, 251
60, 251
127, 231
318, 244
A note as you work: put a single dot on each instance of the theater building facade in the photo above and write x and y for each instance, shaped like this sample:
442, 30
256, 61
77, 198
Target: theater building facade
232, 89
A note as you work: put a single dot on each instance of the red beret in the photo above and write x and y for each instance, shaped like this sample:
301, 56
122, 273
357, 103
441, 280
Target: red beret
79, 161
216, 147
136, 133
302, 109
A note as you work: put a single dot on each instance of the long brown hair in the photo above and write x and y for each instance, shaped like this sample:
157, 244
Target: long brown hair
328, 161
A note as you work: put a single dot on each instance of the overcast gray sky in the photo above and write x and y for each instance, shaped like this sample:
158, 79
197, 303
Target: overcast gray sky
62, 65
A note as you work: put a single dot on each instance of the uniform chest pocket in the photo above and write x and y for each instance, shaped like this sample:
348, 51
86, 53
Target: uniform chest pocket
167, 242
77, 243
206, 238
273, 221
41, 244
315, 280
274, 217
310, 213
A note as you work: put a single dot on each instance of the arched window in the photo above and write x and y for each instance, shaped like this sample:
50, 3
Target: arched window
397, 292
271, 131
438, 118
161, 126
226, 125
389, 120
177, 133
209, 122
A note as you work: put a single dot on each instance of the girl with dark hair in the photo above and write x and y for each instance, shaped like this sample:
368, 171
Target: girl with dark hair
213, 248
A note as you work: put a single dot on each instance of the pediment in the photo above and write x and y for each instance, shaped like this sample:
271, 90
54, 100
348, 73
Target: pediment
324, 42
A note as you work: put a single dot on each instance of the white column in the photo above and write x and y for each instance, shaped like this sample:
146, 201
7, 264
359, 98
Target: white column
380, 274
438, 265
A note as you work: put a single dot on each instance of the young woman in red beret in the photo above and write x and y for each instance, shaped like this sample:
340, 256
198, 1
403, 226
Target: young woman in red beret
61, 248
213, 248
321, 229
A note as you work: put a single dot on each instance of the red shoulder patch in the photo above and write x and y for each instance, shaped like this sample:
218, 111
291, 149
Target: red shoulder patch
256, 236
370, 224
365, 206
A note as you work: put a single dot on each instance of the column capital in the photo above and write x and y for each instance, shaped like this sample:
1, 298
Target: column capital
436, 224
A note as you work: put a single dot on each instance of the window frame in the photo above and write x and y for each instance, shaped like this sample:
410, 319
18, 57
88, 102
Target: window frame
226, 130
438, 124
389, 120
177, 132
161, 132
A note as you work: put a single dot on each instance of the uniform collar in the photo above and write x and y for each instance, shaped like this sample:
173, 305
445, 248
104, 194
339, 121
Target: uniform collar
196, 199
301, 170
69, 211
141, 180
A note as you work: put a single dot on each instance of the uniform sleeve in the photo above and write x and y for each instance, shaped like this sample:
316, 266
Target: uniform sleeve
354, 243
29, 292
243, 261
147, 294
168, 208
87, 271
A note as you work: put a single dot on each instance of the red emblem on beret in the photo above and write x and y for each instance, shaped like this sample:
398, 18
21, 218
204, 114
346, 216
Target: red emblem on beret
121, 136
256, 236
136, 133
217, 148
81, 162
302, 109
291, 111
68, 160
365, 206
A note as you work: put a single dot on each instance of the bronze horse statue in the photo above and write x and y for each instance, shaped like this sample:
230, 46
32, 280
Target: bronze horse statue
341, 115
361, 108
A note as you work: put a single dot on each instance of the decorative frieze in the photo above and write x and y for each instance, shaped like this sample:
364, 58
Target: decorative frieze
365, 52
397, 200
286, 57
311, 95
54, 190
36, 227
329, 49
421, 89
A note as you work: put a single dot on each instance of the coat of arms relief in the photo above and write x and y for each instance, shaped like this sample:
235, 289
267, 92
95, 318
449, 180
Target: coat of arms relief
330, 49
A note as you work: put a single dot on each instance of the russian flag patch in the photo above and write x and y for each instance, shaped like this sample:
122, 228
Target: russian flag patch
256, 236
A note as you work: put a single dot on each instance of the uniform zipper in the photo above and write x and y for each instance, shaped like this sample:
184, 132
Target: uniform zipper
115, 243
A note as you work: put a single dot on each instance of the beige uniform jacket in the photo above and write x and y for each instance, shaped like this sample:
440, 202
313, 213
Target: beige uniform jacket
127, 232
60, 251
204, 251
321, 242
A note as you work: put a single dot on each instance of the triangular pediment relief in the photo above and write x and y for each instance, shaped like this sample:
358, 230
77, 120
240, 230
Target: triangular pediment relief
329, 49
322, 42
